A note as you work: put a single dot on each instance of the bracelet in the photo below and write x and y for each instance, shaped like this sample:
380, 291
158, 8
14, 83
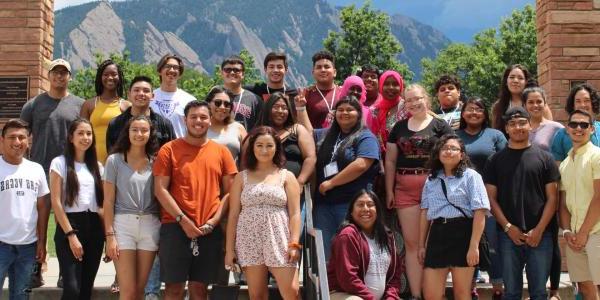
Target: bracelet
300, 108
565, 231
212, 227
507, 227
70, 233
295, 246
110, 233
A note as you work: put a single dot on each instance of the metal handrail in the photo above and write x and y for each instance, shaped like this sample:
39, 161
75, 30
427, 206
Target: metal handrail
315, 269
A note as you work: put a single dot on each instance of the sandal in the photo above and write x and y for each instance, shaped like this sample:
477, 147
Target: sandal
114, 287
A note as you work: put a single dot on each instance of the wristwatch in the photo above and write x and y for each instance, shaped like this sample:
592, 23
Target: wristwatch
507, 227
179, 217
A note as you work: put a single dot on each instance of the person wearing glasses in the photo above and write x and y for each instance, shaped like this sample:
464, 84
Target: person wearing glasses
246, 105
579, 209
521, 182
223, 129
169, 100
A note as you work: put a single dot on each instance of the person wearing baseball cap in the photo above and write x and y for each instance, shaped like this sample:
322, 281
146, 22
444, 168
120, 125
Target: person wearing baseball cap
50, 113
521, 182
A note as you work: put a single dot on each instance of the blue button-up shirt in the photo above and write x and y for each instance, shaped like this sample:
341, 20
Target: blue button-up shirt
467, 192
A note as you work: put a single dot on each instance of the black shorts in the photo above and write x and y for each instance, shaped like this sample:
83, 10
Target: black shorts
448, 244
177, 264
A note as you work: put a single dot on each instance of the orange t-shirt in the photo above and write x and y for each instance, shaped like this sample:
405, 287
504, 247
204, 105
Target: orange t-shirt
196, 174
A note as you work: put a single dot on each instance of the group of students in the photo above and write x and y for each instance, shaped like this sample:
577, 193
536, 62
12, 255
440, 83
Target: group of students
157, 177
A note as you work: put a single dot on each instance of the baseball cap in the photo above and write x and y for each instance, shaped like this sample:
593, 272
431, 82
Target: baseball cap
59, 62
516, 112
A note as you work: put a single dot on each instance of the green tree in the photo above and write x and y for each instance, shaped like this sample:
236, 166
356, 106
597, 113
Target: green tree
192, 81
479, 66
365, 37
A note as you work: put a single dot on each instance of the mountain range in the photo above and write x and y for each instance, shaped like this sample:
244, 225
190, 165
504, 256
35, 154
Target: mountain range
204, 32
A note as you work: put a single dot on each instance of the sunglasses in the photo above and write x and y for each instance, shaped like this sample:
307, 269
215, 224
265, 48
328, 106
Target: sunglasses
222, 103
232, 70
582, 125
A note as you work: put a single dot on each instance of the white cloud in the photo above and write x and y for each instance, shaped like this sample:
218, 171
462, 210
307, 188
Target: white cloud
59, 4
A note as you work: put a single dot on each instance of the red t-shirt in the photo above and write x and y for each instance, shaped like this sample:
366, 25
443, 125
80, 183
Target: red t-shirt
196, 174
318, 109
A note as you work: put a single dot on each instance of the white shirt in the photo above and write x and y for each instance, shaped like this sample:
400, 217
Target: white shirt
379, 263
86, 198
20, 187
170, 105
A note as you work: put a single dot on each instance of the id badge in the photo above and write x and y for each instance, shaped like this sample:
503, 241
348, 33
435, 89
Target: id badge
331, 169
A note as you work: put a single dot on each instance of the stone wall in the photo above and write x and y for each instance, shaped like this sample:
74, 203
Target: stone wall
568, 33
26, 41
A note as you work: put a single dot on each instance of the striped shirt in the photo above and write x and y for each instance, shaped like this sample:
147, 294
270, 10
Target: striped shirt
467, 192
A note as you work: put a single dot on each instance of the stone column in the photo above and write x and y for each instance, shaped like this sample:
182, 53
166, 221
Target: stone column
568, 34
26, 44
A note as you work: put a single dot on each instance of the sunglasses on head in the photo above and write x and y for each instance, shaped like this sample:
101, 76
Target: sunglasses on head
582, 125
223, 103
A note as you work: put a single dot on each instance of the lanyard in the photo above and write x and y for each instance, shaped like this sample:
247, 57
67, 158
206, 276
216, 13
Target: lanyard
329, 106
336, 146
451, 116
237, 107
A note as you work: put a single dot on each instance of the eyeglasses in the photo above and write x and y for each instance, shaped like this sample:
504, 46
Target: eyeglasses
474, 110
232, 70
171, 66
60, 72
221, 103
582, 125
450, 149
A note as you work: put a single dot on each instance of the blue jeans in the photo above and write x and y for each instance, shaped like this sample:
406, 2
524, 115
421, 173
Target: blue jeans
20, 260
536, 261
153, 283
328, 218
491, 232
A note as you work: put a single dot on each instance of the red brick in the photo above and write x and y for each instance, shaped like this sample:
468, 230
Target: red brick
12, 5
576, 40
560, 65
583, 6
577, 74
580, 51
20, 35
13, 22
24, 48
10, 56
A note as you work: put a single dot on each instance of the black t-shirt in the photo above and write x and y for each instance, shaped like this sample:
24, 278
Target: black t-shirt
520, 177
265, 92
414, 147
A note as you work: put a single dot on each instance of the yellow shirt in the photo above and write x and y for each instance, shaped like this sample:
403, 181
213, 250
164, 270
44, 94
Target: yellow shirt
578, 172
100, 117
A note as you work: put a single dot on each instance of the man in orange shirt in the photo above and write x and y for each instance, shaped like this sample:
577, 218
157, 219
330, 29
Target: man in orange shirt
192, 179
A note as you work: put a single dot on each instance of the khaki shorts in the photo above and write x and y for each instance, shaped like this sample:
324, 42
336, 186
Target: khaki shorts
585, 265
137, 232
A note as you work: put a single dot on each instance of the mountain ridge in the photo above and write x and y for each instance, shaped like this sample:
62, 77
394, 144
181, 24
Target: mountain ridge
203, 32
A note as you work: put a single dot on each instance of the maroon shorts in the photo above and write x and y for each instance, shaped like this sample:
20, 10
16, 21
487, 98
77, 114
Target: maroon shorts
408, 189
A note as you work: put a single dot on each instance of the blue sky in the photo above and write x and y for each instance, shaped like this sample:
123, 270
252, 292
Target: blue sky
459, 20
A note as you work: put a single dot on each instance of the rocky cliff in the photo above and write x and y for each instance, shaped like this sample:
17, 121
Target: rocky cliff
203, 32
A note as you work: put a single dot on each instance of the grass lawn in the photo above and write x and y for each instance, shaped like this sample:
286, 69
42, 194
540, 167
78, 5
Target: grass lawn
50, 235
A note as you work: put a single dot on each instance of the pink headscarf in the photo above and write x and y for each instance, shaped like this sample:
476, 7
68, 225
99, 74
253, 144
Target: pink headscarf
354, 80
383, 105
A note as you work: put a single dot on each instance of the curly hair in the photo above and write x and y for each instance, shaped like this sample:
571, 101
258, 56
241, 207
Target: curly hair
435, 164
570, 106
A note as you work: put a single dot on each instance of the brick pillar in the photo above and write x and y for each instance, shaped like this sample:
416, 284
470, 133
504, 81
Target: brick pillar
26, 45
568, 34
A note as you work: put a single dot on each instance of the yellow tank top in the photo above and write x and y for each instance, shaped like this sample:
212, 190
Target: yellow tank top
100, 118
